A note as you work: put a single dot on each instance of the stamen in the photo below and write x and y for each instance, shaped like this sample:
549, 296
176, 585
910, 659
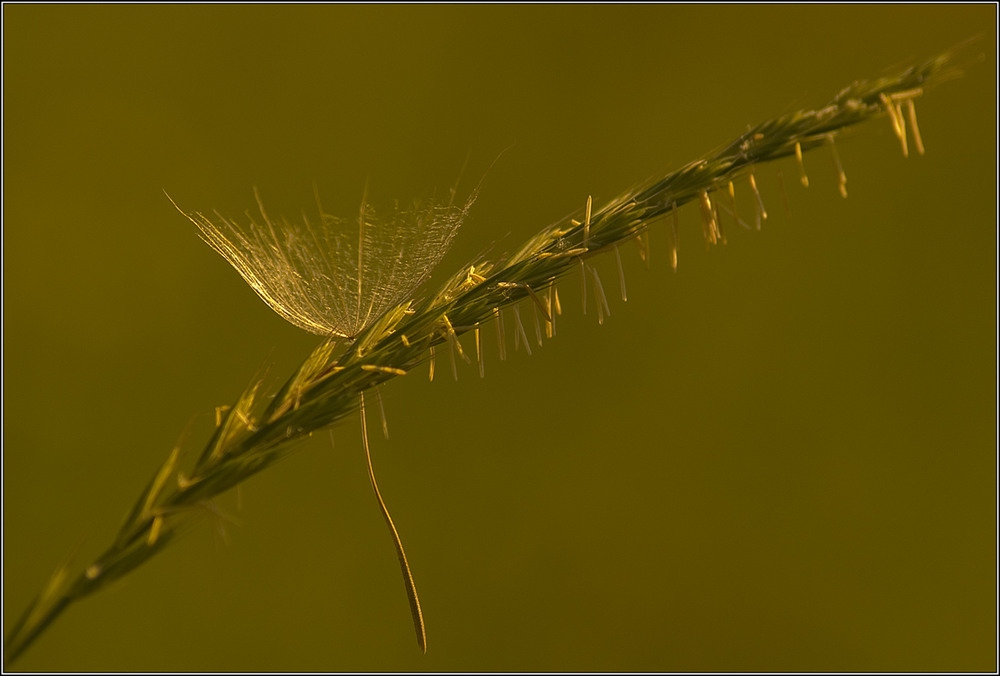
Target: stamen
719, 231
602, 300
732, 205
583, 286
586, 224
550, 327
708, 223
902, 132
454, 362
621, 273
537, 301
519, 332
896, 117
534, 313
890, 108
911, 112
600, 309
841, 176
674, 239
802, 165
472, 277
642, 242
381, 410
479, 353
430, 373
762, 212
453, 339
501, 345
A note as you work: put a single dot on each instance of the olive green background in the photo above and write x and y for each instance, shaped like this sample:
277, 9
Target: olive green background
781, 457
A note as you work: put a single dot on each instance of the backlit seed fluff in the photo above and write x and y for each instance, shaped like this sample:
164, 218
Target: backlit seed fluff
336, 276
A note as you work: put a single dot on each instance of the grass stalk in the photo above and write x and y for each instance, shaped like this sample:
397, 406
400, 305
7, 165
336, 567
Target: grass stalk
330, 384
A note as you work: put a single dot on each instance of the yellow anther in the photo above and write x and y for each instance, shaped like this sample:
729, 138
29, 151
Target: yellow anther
802, 165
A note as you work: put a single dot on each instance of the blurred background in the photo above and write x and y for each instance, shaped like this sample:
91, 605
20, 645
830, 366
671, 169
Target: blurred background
782, 457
